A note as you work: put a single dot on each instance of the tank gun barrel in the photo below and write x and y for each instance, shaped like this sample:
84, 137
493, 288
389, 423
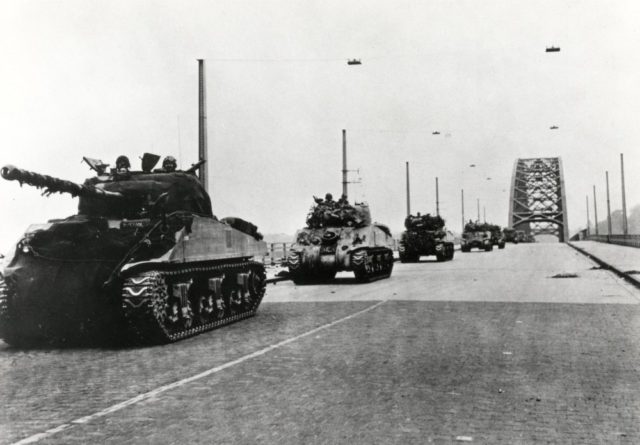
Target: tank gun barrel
53, 185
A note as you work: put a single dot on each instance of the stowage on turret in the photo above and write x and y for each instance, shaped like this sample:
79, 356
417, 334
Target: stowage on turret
340, 236
425, 235
144, 260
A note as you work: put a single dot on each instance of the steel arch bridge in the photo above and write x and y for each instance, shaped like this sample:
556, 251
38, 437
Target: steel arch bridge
538, 204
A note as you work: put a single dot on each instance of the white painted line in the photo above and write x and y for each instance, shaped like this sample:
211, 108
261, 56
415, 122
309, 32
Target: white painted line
154, 392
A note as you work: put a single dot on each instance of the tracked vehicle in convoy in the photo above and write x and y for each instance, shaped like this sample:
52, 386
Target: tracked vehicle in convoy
144, 260
339, 236
497, 236
425, 235
476, 235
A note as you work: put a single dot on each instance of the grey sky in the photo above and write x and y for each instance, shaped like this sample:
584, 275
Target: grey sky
103, 78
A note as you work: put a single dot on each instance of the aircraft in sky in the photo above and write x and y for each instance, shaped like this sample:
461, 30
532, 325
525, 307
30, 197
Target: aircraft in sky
436, 132
354, 62
553, 127
552, 49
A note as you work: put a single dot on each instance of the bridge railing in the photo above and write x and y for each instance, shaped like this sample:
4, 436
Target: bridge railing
623, 240
277, 253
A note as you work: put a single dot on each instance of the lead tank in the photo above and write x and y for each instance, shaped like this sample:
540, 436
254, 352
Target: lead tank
339, 236
144, 260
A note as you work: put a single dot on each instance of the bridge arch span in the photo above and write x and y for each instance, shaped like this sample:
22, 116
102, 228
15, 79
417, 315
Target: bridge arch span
537, 202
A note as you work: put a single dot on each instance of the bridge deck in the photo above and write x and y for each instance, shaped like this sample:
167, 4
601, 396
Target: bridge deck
488, 348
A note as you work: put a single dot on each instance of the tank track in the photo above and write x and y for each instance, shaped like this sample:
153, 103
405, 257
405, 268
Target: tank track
170, 305
372, 264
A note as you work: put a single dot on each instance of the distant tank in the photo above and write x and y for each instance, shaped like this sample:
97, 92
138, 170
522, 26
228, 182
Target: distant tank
476, 235
510, 235
497, 237
425, 235
338, 237
144, 260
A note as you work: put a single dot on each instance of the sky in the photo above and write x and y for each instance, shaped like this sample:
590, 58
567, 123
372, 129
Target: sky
104, 78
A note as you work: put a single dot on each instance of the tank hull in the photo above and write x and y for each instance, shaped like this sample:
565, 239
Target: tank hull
319, 254
56, 289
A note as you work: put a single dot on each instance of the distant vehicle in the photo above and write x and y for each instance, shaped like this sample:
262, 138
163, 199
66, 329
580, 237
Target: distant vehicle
552, 49
436, 132
354, 62
476, 235
340, 236
510, 235
497, 237
553, 127
425, 235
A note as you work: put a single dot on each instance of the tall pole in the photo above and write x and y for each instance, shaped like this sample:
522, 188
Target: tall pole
484, 214
437, 199
625, 227
202, 127
344, 163
462, 200
588, 221
408, 193
595, 209
478, 201
608, 206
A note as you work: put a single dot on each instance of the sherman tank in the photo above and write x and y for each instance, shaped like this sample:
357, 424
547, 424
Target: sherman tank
476, 235
337, 237
144, 260
425, 235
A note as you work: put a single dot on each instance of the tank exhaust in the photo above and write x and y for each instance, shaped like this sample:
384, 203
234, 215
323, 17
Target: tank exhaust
202, 126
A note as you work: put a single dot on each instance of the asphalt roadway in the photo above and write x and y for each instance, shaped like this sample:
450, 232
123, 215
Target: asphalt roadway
488, 348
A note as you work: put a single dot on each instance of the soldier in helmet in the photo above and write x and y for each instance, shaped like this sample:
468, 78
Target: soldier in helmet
169, 164
122, 166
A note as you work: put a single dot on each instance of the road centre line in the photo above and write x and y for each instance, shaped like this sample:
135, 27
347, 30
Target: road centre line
154, 392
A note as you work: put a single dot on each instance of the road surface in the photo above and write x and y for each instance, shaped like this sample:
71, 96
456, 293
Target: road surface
487, 348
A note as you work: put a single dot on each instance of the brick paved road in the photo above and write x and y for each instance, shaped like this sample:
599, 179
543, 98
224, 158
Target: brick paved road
487, 359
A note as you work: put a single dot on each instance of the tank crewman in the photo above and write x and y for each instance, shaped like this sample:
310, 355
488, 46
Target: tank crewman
122, 166
169, 164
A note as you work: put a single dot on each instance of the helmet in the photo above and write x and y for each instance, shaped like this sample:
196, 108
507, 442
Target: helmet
328, 197
122, 162
169, 164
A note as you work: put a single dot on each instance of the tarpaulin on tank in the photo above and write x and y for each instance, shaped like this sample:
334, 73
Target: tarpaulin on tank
141, 190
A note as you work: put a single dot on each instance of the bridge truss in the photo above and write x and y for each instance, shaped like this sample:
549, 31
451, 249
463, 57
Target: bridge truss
538, 205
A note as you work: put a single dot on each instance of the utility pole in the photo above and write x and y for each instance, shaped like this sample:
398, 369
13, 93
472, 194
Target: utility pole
484, 214
408, 193
478, 201
625, 226
608, 206
595, 209
202, 127
437, 199
462, 199
588, 222
344, 163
